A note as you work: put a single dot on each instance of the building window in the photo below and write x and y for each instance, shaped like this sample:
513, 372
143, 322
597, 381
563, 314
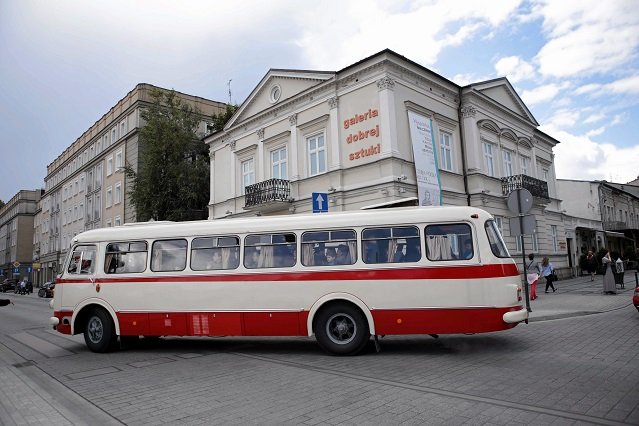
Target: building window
508, 162
122, 128
110, 166
553, 236
545, 174
81, 211
117, 194
248, 174
118, 221
97, 207
279, 164
316, 154
98, 176
525, 163
109, 197
445, 151
118, 160
114, 135
535, 242
488, 159
109, 223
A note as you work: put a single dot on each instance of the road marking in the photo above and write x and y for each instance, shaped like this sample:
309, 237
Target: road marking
41, 346
441, 392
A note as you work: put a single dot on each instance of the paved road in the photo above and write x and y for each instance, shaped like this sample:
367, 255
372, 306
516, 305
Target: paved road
577, 362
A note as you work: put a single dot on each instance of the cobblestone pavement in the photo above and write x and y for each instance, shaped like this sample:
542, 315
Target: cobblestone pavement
576, 362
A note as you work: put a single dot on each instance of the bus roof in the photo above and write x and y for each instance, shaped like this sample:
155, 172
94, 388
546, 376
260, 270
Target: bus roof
281, 223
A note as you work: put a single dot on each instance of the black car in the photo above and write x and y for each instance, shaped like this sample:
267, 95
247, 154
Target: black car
8, 285
47, 289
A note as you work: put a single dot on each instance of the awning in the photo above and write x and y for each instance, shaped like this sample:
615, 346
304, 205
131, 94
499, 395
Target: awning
402, 202
616, 234
583, 228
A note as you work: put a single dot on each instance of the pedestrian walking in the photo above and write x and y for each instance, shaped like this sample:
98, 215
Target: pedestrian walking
532, 275
591, 264
547, 270
608, 278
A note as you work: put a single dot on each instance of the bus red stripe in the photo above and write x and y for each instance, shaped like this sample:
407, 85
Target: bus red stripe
448, 272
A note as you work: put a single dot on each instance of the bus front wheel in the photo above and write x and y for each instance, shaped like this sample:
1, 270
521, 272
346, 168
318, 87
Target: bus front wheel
99, 333
341, 329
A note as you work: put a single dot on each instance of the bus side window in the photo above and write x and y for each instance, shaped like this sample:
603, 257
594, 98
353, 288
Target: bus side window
168, 255
270, 251
210, 253
328, 248
82, 260
449, 242
125, 257
391, 244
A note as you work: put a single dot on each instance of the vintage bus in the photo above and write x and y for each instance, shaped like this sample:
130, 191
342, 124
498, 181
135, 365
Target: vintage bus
342, 277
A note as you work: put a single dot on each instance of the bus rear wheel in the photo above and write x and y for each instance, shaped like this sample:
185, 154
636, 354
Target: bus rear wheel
341, 329
99, 332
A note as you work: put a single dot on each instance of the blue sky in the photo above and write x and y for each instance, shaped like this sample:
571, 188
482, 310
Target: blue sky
65, 63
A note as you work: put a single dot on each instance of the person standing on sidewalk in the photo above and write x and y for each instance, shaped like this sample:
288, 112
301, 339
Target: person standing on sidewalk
608, 278
591, 264
547, 271
532, 275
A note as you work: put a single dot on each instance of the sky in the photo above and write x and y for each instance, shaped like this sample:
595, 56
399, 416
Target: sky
65, 63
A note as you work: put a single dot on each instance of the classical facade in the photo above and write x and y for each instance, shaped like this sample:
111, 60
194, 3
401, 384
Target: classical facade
603, 214
85, 187
348, 134
16, 235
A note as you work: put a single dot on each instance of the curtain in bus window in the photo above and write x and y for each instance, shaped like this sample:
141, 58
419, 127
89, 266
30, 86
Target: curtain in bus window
351, 256
438, 247
266, 257
393, 255
308, 254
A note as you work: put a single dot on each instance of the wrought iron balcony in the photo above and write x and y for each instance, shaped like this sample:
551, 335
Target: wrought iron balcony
538, 188
267, 192
615, 226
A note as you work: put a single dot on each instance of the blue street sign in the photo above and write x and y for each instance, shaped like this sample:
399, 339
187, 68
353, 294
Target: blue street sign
320, 202
29, 269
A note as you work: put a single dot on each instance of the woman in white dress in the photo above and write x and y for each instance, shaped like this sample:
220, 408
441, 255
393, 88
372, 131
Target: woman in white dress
608, 278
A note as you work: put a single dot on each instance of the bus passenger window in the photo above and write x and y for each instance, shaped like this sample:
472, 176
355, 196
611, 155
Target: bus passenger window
168, 255
124, 258
391, 245
329, 248
449, 242
82, 260
270, 251
213, 253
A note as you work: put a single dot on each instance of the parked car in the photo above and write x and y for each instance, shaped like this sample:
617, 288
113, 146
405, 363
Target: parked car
635, 298
47, 289
8, 285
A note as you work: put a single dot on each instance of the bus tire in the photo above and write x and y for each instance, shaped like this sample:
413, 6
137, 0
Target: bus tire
341, 329
99, 332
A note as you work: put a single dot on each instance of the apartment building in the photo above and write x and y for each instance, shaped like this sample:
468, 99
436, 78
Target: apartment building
85, 186
359, 135
16, 235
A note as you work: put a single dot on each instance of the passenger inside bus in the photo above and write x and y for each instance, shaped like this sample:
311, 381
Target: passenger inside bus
467, 250
413, 250
331, 256
343, 255
251, 257
215, 262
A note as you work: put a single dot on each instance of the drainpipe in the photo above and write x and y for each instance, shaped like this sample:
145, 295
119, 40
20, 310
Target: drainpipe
463, 148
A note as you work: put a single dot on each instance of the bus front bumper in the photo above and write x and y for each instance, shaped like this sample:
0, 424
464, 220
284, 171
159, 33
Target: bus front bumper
514, 317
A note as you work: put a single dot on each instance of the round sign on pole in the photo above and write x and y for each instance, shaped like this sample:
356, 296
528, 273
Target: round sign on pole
520, 201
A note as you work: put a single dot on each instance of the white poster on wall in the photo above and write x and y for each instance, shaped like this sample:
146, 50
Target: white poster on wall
429, 188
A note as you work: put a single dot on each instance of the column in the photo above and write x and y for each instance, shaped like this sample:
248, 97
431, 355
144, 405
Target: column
212, 180
336, 145
472, 139
388, 117
259, 161
293, 161
233, 173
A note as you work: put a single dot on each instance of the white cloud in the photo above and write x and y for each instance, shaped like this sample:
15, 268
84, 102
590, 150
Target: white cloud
593, 118
595, 132
563, 119
514, 68
541, 94
578, 157
587, 37
355, 29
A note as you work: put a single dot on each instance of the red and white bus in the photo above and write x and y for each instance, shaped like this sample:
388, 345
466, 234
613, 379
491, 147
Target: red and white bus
339, 276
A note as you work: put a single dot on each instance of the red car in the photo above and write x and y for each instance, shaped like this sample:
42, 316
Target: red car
635, 298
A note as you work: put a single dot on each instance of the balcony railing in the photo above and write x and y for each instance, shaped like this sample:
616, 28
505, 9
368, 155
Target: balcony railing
268, 191
615, 226
538, 188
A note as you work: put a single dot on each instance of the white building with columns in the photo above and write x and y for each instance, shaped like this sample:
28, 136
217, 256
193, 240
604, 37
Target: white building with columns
346, 133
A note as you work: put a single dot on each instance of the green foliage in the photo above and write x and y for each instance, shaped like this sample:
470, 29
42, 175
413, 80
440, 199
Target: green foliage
219, 120
1, 204
172, 182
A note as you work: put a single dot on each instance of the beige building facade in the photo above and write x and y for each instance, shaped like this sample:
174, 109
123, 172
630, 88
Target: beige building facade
85, 186
347, 134
17, 218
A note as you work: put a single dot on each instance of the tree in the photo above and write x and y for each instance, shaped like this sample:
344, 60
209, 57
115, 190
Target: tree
1, 204
172, 180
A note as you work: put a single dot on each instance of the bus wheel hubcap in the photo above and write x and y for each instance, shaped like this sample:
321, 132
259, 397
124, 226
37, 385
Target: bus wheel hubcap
95, 330
341, 329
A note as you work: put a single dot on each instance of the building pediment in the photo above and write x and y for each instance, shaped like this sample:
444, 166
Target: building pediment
276, 87
501, 92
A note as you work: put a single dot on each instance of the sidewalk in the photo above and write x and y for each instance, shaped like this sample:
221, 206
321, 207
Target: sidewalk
579, 296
